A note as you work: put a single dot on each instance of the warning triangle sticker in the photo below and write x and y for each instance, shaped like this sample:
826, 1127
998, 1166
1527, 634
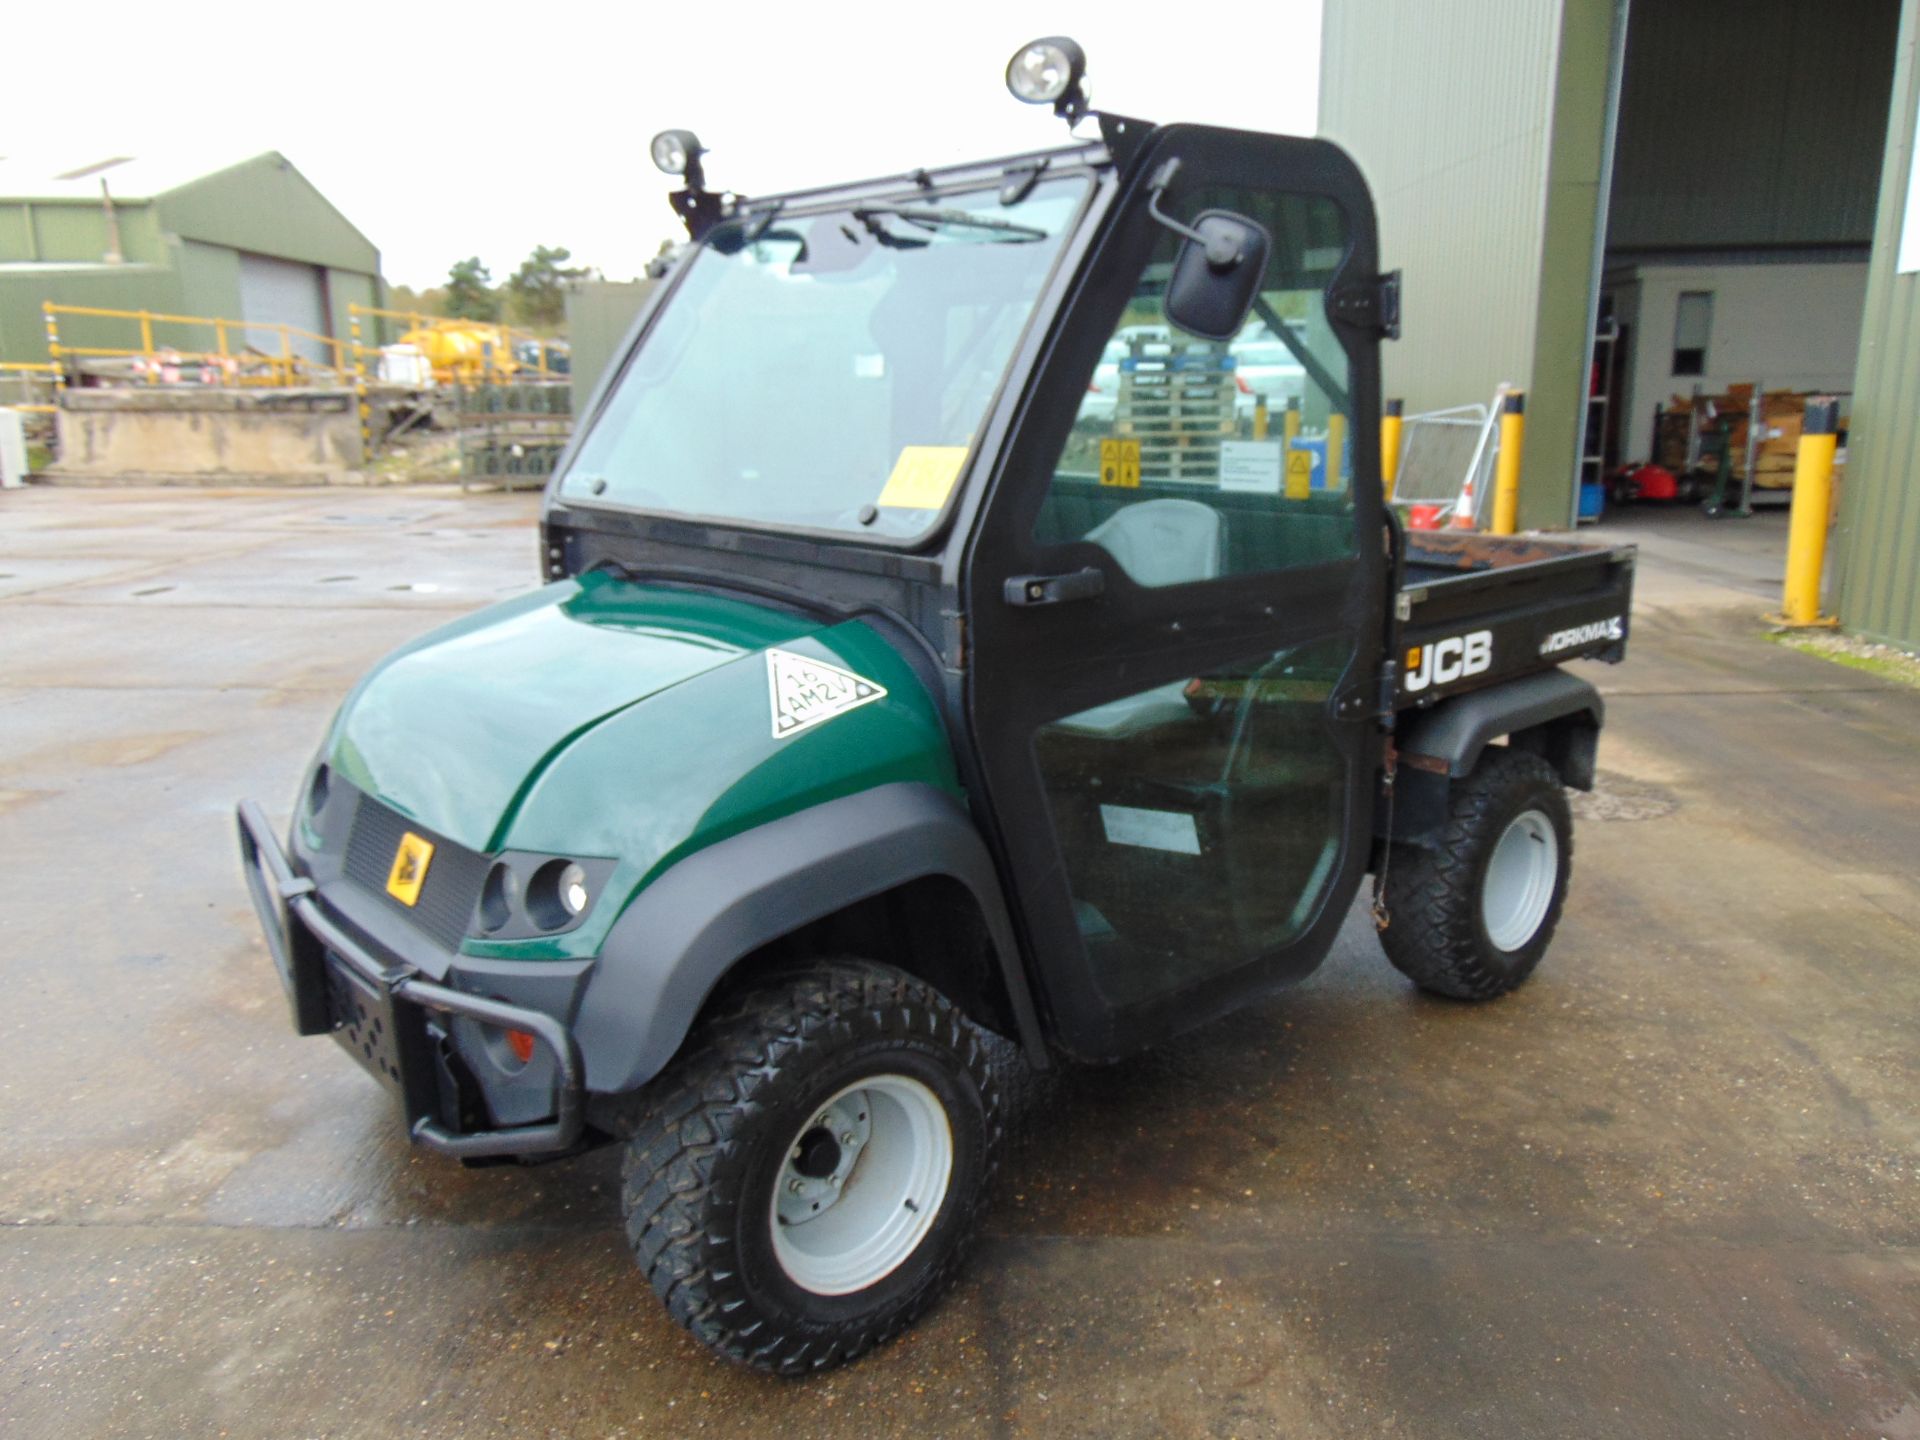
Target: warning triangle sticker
806, 692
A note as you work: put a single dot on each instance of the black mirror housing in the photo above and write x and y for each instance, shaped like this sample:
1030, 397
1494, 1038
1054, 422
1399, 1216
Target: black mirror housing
1217, 274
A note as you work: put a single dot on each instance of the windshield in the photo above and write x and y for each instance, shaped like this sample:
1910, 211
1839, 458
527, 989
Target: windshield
827, 371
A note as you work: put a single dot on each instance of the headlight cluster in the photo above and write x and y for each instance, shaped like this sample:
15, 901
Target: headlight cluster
318, 789
553, 895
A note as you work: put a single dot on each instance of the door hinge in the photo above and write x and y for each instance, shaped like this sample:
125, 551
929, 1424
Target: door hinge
1389, 690
1374, 304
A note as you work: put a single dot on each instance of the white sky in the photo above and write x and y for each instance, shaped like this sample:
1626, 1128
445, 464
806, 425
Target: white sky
446, 131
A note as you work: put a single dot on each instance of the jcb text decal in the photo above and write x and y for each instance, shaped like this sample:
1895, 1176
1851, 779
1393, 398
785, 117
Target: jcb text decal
1453, 658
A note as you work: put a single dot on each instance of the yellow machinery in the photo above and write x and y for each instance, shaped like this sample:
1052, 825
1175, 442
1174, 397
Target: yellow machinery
465, 350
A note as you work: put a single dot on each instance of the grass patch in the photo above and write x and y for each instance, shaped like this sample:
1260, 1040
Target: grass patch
1879, 660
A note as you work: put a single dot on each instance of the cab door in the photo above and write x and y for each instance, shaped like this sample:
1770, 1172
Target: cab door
1174, 602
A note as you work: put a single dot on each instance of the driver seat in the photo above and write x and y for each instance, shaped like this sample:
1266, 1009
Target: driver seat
1157, 542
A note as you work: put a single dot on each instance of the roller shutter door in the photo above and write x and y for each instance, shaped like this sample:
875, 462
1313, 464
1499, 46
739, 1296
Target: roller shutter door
284, 292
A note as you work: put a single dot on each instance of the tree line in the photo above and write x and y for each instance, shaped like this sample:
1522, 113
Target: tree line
534, 295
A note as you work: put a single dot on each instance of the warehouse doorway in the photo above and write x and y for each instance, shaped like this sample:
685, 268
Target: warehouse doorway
275, 292
1746, 172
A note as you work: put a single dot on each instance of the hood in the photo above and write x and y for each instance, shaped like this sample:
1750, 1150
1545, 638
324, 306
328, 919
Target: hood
453, 729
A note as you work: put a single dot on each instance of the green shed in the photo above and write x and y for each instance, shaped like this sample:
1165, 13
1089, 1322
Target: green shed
250, 240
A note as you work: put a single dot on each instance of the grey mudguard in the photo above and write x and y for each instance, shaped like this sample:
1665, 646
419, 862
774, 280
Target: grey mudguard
687, 928
1458, 729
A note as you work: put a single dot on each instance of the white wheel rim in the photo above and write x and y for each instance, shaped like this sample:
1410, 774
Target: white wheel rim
1518, 888
861, 1185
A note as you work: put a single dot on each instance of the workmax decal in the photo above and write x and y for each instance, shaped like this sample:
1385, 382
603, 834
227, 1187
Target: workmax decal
806, 692
1453, 658
1614, 628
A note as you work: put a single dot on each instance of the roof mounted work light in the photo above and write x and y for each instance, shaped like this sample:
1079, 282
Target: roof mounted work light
678, 152
1050, 71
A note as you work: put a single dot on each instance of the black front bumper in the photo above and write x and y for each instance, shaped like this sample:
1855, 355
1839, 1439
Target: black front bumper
377, 1010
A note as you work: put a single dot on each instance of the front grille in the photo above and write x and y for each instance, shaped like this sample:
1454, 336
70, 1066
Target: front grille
454, 874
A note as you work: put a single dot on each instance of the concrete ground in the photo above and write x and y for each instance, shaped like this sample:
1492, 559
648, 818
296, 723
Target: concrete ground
1669, 1189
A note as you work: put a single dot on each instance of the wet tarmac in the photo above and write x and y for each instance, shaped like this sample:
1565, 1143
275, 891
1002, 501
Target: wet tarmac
1671, 1188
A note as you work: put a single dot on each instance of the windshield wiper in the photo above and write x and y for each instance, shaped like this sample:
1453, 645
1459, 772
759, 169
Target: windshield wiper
927, 218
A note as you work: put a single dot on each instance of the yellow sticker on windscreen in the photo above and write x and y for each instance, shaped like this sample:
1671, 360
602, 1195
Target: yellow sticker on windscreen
923, 477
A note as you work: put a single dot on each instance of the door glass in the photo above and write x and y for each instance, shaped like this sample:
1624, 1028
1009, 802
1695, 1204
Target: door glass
1193, 459
1201, 819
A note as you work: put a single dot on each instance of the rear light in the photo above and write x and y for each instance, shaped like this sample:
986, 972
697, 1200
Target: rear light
521, 1044
1241, 381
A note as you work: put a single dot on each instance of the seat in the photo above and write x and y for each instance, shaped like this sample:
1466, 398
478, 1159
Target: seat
1163, 542
1157, 542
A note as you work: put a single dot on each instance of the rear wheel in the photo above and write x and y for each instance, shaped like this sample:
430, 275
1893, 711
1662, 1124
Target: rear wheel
1471, 918
806, 1181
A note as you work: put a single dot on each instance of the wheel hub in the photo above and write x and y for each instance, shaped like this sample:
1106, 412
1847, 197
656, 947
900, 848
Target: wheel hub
817, 1155
861, 1184
1517, 890
820, 1161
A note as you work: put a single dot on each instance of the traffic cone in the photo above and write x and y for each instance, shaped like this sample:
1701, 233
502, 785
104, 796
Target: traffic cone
1463, 512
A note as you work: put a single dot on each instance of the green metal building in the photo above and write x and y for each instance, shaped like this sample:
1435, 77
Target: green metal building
1726, 184
1483, 127
1878, 540
251, 240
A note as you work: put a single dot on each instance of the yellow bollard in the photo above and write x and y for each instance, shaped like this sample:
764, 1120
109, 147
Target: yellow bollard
1290, 426
1336, 452
1506, 474
1812, 509
1390, 446
53, 350
1259, 417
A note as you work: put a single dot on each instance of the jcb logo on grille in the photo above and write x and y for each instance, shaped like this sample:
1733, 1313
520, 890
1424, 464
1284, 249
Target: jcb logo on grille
409, 871
1453, 658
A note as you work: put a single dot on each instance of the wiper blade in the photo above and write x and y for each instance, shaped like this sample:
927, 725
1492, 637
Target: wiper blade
929, 218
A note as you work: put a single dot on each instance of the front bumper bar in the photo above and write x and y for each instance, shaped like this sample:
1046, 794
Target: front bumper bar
287, 904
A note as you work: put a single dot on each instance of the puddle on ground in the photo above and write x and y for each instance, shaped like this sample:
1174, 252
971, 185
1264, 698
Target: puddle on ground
1621, 797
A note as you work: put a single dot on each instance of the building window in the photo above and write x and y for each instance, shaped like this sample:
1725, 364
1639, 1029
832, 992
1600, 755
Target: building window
1692, 326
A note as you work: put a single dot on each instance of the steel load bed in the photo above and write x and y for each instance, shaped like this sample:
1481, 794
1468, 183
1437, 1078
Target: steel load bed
1474, 610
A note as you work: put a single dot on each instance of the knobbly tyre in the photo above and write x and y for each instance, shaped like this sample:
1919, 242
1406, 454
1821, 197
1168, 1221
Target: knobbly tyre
935, 643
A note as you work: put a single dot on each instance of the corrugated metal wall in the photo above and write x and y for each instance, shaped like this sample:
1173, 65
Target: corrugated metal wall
599, 314
1879, 539
1480, 125
1446, 109
1751, 122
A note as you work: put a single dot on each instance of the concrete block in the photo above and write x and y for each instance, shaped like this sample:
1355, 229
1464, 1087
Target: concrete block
213, 436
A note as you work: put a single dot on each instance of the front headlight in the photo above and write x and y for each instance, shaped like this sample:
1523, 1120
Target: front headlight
558, 894
525, 896
318, 789
573, 890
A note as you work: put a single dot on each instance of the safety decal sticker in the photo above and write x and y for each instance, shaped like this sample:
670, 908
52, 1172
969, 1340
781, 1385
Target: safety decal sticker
806, 692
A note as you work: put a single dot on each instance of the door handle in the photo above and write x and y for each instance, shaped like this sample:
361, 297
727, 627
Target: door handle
1055, 589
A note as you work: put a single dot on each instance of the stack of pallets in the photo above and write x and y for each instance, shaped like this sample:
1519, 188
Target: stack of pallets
1176, 398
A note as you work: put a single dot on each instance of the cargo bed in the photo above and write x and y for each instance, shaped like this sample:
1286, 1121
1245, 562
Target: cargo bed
1474, 610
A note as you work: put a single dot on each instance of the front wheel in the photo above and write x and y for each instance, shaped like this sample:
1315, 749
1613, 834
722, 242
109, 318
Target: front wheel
804, 1184
1471, 917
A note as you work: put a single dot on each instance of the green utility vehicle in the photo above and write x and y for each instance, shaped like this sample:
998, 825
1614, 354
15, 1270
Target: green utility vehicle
935, 642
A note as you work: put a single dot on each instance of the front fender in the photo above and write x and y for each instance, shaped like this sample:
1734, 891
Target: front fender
686, 929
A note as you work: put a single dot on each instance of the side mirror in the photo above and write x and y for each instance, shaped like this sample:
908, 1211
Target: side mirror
1211, 298
1217, 272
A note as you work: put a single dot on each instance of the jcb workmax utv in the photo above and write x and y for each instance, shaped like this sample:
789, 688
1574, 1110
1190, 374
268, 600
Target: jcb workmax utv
971, 606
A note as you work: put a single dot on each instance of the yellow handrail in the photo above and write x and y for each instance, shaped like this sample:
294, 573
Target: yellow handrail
283, 367
35, 368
